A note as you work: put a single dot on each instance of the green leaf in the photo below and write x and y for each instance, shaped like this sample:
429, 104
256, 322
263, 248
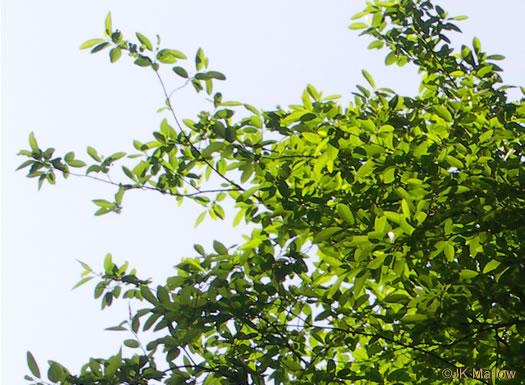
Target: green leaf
216, 75
200, 218
390, 59
199, 59
414, 318
238, 217
82, 281
443, 113
199, 249
100, 47
492, 265
33, 367
376, 263
116, 328
345, 214
55, 372
108, 264
476, 44
377, 44
33, 143
93, 153
365, 169
103, 203
453, 162
148, 295
25, 164
495, 57
220, 248
484, 71
169, 56
114, 54
369, 79
131, 343
449, 251
358, 26
119, 195
468, 274
107, 24
143, 61
181, 72
325, 234
90, 43
145, 41
163, 295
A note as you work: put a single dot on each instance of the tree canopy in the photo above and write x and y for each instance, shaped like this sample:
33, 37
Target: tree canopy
387, 241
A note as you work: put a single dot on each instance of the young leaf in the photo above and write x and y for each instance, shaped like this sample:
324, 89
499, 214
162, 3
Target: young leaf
90, 43
492, 265
199, 59
33, 143
358, 26
169, 56
145, 41
82, 281
107, 24
390, 58
377, 44
93, 153
368, 77
345, 213
477, 45
76, 163
114, 54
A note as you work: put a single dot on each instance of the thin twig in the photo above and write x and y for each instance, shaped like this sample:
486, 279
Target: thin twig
231, 182
188, 195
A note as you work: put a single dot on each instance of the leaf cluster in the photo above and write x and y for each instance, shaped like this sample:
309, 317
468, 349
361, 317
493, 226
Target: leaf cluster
388, 234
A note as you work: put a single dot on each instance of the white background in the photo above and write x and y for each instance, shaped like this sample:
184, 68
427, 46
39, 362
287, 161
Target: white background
269, 50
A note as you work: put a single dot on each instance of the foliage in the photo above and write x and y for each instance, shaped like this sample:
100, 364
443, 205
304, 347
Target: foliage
388, 234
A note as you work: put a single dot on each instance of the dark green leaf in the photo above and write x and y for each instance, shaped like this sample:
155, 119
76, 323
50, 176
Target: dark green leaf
181, 72
55, 372
131, 343
33, 367
100, 47
220, 248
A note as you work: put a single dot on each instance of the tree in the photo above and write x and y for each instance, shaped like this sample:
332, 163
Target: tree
387, 241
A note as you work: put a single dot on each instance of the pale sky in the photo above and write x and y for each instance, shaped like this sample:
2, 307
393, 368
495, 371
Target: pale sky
269, 51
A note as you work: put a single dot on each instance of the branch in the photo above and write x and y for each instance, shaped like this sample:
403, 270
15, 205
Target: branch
231, 182
188, 195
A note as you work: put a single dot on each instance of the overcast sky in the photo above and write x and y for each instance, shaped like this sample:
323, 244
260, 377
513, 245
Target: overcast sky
269, 50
